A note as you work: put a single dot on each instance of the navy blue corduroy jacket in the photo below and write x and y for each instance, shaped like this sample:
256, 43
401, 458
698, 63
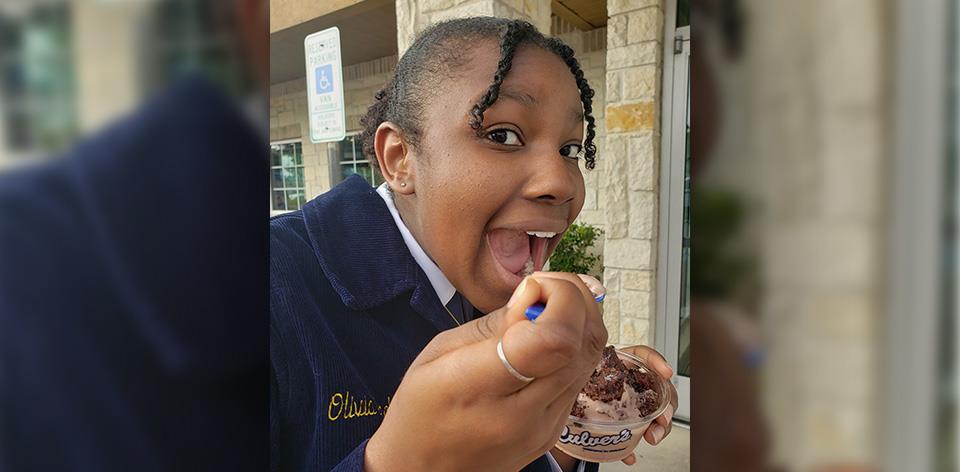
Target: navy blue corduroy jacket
133, 302
350, 310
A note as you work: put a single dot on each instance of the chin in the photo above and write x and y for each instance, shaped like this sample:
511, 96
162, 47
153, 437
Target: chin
492, 296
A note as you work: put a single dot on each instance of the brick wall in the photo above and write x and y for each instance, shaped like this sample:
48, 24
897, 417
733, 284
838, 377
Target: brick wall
288, 115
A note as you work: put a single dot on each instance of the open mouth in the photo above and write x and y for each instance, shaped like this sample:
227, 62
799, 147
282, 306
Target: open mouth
521, 252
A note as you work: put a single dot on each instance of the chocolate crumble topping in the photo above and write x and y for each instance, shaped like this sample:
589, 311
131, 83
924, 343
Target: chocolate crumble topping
606, 384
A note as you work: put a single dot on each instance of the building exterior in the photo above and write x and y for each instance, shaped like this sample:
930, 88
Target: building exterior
620, 46
813, 111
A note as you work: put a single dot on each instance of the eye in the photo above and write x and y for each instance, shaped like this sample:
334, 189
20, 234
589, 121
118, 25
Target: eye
571, 150
505, 136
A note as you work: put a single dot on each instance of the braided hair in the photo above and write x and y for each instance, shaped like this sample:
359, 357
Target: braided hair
437, 52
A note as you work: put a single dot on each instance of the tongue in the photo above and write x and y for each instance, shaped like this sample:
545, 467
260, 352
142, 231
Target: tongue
510, 248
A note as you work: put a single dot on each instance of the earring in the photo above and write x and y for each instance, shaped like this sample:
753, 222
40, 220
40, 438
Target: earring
403, 184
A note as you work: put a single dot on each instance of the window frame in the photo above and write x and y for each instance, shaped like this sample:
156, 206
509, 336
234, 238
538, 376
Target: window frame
25, 106
175, 45
335, 153
675, 115
286, 189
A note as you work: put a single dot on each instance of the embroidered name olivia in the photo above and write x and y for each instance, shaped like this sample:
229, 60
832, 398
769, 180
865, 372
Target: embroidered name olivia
346, 406
588, 440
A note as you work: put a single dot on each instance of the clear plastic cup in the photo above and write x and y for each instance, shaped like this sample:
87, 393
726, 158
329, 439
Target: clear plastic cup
610, 441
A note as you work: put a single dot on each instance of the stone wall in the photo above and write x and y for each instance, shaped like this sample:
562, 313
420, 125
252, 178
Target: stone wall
817, 133
590, 48
362, 81
107, 85
414, 15
629, 172
288, 115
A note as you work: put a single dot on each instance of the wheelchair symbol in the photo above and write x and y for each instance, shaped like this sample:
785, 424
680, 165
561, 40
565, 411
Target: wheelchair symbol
324, 78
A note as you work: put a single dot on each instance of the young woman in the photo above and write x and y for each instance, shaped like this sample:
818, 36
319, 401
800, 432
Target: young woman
398, 335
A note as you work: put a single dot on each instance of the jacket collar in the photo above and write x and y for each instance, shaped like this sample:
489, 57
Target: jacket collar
362, 253
441, 285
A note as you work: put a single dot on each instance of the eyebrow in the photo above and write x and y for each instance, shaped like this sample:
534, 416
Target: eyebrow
524, 98
530, 101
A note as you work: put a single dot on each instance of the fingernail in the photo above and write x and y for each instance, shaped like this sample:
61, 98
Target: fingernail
597, 288
658, 433
517, 292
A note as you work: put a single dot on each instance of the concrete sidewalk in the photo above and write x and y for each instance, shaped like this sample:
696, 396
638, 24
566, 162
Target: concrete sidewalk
672, 455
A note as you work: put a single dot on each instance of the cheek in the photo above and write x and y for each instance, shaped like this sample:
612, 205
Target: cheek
580, 194
473, 185
457, 212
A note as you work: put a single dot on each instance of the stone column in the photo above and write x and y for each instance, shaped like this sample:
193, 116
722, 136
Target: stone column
415, 15
107, 85
818, 125
629, 179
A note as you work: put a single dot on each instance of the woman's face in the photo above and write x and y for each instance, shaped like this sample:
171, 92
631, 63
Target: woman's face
476, 199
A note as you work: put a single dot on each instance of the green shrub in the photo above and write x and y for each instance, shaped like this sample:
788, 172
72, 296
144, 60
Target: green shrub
572, 254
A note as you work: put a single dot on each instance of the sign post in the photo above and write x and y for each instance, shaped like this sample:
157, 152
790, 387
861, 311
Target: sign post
325, 86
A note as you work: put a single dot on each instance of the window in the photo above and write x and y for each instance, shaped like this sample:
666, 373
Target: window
37, 106
683, 13
287, 190
347, 159
184, 37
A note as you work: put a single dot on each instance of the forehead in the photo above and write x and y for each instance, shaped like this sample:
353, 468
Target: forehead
536, 76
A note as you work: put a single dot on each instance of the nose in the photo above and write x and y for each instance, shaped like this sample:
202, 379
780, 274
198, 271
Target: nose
552, 179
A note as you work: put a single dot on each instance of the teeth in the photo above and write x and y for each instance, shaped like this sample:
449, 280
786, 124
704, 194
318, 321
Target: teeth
541, 234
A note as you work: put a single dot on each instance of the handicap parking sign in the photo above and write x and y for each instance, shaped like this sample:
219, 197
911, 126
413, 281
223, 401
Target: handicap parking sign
324, 74
324, 78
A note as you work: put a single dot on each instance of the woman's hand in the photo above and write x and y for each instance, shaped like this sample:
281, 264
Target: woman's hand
458, 408
662, 425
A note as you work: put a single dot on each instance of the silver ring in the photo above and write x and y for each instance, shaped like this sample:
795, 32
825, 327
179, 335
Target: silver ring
508, 366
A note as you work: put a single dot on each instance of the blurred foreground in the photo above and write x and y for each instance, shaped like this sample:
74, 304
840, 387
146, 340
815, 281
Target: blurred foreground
824, 200
133, 308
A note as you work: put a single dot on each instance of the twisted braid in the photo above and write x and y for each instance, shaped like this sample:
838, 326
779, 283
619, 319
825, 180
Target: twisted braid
439, 50
586, 97
513, 35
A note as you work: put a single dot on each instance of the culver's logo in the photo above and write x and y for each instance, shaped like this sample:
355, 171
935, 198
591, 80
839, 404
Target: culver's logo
586, 439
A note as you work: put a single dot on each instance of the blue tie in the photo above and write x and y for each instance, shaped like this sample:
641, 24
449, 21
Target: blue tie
461, 309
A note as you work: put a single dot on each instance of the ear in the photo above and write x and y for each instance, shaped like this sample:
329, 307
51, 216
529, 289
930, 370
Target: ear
396, 163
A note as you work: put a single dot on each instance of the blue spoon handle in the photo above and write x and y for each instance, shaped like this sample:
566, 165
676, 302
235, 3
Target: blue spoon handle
534, 311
